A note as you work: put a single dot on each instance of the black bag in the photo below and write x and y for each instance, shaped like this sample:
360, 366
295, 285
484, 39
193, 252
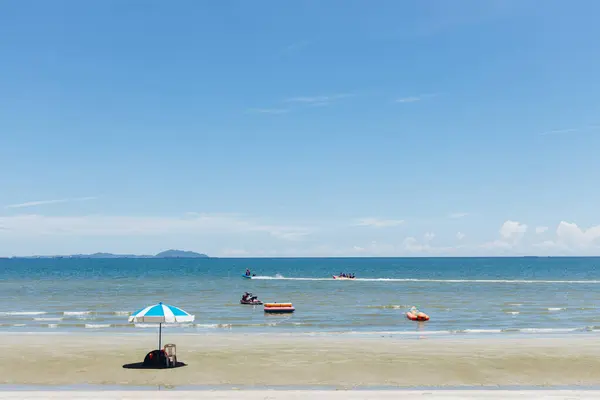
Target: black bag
155, 359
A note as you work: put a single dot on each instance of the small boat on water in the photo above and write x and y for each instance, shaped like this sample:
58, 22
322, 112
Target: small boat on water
247, 276
343, 278
415, 315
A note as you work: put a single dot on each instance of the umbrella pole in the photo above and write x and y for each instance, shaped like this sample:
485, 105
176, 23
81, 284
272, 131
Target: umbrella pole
159, 334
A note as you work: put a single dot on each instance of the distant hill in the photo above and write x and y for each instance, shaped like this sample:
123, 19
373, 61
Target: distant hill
180, 254
164, 254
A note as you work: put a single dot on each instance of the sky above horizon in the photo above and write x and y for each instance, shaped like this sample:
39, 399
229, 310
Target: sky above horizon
309, 128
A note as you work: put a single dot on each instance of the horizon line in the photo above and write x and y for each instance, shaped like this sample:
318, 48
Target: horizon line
133, 256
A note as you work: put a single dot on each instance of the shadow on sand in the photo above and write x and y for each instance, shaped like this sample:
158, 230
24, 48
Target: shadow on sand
141, 365
154, 360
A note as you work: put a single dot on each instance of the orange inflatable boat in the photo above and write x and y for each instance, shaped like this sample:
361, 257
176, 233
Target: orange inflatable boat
416, 315
279, 308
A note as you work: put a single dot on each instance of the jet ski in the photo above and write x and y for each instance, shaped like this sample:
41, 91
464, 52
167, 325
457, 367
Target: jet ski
249, 298
248, 275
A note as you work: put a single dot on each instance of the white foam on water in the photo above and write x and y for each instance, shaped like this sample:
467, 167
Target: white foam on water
97, 326
145, 325
5, 313
164, 326
76, 313
210, 325
510, 281
48, 319
513, 312
390, 306
556, 309
480, 331
395, 333
122, 312
548, 330
52, 325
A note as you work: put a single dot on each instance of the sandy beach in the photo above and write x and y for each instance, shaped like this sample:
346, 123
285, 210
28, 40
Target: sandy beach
341, 362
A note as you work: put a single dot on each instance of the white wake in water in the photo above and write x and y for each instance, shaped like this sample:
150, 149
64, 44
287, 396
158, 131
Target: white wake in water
281, 277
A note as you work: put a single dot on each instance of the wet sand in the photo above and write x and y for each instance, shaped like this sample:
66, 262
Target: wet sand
299, 361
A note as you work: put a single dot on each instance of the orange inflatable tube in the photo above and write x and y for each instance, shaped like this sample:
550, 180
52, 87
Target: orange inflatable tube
269, 305
279, 308
419, 316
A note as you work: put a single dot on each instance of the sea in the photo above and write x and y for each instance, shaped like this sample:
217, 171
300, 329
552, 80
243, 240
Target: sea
462, 296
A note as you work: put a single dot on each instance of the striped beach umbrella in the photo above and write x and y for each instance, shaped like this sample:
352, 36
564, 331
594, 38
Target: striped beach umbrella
161, 314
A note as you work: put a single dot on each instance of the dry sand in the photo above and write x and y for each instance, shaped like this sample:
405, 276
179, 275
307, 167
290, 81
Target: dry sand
334, 361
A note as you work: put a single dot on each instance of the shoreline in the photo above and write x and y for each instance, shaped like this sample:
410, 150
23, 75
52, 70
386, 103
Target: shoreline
241, 361
467, 334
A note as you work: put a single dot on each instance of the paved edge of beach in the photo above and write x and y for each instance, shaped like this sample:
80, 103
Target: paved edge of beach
306, 394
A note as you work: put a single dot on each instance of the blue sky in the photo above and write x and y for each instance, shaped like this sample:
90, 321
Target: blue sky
305, 128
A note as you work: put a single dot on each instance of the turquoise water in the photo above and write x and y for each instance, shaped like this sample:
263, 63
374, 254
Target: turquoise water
462, 295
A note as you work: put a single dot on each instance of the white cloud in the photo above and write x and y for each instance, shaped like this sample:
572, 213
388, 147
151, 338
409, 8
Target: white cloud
549, 245
574, 237
571, 130
559, 131
512, 230
413, 99
408, 99
412, 245
235, 253
570, 240
44, 202
379, 223
497, 244
241, 235
318, 100
100, 225
457, 215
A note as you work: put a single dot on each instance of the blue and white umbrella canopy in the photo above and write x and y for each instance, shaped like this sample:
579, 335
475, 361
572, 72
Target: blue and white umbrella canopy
160, 314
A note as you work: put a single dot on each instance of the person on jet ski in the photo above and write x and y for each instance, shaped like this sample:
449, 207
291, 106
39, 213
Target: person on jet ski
249, 296
247, 272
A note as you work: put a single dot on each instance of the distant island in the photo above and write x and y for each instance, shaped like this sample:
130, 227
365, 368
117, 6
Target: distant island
180, 254
164, 254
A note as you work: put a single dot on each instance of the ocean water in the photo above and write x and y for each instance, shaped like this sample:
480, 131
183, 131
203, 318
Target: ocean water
467, 296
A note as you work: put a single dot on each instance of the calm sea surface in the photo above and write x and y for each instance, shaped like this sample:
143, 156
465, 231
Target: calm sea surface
461, 295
